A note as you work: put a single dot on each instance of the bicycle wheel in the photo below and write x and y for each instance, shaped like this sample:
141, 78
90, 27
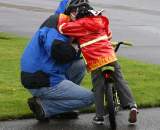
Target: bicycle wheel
116, 100
110, 106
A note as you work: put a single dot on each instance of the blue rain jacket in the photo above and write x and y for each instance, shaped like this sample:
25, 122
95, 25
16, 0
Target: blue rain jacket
61, 7
37, 54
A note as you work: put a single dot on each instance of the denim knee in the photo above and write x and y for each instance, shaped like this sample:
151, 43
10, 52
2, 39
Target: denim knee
90, 99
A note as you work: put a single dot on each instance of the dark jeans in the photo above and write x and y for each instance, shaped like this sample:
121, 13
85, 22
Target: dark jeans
124, 93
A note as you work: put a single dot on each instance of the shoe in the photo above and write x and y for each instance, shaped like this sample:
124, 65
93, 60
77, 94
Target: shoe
98, 120
35, 106
67, 115
133, 115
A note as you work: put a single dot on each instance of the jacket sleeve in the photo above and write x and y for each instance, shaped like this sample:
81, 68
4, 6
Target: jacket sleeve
73, 29
108, 30
109, 34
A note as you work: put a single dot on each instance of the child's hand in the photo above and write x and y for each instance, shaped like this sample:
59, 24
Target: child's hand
63, 19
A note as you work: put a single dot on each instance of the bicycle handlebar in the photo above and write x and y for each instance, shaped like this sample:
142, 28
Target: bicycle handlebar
117, 44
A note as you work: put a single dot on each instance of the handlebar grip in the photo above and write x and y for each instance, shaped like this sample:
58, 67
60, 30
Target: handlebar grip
114, 43
126, 43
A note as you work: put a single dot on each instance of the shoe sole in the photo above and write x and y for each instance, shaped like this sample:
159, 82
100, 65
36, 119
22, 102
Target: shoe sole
37, 111
133, 117
31, 105
98, 122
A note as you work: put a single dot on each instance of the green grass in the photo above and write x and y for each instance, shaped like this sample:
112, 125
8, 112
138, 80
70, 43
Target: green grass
13, 96
142, 78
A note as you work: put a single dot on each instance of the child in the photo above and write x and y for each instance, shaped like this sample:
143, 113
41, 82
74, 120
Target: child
92, 31
93, 35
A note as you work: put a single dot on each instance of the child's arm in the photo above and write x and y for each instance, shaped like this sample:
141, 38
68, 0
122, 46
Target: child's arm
109, 34
74, 29
108, 30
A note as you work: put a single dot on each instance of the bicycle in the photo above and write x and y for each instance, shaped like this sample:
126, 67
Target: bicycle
111, 96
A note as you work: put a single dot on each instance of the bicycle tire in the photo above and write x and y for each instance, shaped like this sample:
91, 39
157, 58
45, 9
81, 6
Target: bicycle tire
111, 106
116, 100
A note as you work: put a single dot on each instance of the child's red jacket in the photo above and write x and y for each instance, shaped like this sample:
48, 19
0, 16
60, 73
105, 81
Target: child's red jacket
94, 37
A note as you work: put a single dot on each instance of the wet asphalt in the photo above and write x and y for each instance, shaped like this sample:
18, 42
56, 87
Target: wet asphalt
148, 119
135, 21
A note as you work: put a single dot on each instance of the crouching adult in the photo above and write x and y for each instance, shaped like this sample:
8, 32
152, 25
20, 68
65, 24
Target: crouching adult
52, 71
